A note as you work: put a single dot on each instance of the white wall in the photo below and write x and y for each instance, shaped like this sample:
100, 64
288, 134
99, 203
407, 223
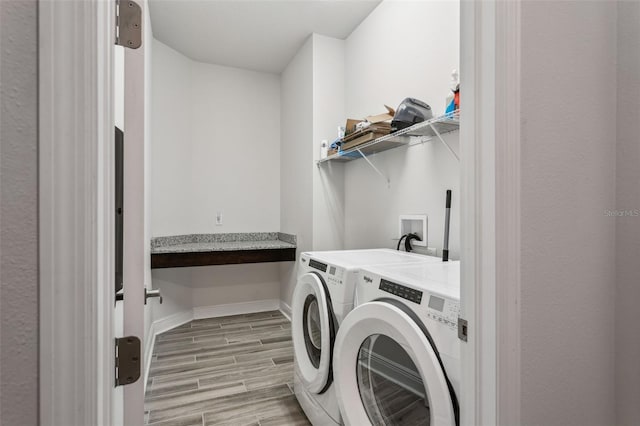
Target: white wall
424, 39
171, 201
329, 80
328, 113
627, 347
174, 285
312, 203
186, 288
19, 213
568, 244
215, 147
228, 284
296, 166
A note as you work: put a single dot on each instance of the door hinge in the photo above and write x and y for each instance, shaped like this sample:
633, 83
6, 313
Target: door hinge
127, 359
128, 24
463, 329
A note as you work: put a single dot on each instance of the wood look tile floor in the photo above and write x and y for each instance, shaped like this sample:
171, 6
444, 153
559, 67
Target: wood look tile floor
235, 370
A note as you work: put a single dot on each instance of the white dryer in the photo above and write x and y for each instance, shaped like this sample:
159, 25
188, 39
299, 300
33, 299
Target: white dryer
397, 353
322, 298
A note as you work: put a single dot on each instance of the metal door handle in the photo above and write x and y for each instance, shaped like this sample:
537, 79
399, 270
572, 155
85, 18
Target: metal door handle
151, 293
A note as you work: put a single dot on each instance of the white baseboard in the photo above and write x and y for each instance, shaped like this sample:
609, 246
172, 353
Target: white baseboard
200, 312
172, 321
285, 309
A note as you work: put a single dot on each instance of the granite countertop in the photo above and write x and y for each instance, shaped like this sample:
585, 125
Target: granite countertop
193, 243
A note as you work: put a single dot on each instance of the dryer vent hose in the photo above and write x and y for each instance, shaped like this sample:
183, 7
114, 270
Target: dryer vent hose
407, 243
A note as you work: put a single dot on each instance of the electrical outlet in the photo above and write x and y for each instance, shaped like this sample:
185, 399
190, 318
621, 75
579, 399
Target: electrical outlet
431, 251
218, 218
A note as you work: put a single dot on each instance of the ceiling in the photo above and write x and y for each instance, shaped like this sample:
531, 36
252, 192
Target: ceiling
257, 35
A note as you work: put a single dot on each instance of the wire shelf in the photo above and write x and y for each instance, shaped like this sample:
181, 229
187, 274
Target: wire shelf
431, 128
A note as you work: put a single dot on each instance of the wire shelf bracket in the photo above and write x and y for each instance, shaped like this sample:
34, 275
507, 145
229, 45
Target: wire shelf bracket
386, 178
437, 133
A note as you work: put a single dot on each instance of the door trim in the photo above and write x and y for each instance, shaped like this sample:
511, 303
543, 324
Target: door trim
508, 188
76, 196
490, 218
490, 158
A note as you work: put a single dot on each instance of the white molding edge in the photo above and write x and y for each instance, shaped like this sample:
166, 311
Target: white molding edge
490, 185
285, 309
478, 397
200, 312
76, 231
172, 321
149, 342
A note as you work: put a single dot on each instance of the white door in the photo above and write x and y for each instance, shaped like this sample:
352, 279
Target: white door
129, 117
388, 371
313, 332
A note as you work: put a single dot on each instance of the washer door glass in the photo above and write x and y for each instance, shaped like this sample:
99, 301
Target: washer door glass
390, 385
312, 329
313, 332
387, 372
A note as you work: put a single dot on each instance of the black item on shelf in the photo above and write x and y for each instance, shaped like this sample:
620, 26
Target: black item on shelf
410, 112
447, 218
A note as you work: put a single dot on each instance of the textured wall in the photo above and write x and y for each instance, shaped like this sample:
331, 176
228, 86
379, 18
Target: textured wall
296, 158
203, 161
568, 244
425, 35
216, 139
328, 112
628, 227
18, 213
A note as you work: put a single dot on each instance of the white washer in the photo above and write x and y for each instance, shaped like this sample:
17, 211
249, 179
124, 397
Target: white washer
397, 353
322, 298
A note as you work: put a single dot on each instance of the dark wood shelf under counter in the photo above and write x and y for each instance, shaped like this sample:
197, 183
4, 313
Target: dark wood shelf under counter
222, 249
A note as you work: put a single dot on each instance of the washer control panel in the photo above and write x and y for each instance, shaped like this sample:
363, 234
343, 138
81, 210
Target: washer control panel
318, 265
400, 290
444, 311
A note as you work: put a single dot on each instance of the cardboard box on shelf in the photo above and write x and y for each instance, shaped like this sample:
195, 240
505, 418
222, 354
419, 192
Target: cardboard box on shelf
381, 119
363, 137
381, 128
385, 116
351, 126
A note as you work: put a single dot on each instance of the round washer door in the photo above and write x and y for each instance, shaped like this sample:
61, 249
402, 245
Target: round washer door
312, 332
386, 371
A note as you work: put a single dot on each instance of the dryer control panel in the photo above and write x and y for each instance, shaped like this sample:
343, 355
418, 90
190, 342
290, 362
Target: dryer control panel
335, 275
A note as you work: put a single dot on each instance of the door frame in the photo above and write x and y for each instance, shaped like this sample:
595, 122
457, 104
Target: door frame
490, 211
76, 229
76, 188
